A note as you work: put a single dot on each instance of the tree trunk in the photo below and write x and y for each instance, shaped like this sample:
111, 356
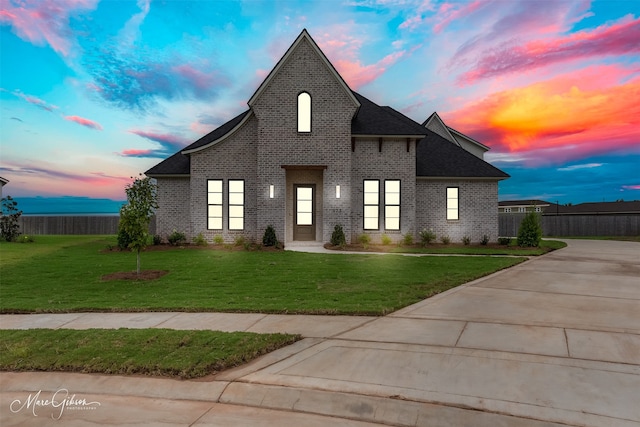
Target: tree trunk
138, 262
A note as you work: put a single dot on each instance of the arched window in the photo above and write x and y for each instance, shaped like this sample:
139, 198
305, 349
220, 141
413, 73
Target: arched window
304, 112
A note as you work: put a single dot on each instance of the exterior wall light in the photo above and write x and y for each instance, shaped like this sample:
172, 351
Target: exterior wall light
337, 191
271, 191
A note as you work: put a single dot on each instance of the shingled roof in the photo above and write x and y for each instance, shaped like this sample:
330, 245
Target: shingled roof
435, 156
373, 119
438, 158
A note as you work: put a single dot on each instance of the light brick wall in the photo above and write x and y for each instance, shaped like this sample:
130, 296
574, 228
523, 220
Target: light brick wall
233, 158
279, 143
393, 162
478, 209
173, 206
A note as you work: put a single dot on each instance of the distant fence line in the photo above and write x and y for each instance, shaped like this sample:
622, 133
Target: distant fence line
509, 223
575, 225
73, 224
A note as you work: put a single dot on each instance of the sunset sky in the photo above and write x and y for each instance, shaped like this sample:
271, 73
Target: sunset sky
94, 92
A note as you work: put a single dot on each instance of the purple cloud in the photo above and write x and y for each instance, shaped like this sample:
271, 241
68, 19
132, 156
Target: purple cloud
617, 39
169, 144
137, 83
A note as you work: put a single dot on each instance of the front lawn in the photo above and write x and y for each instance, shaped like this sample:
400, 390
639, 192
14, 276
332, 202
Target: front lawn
156, 352
64, 274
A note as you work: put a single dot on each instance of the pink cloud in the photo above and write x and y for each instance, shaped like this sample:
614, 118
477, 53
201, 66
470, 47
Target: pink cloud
33, 100
45, 21
566, 118
342, 49
631, 187
84, 122
137, 153
162, 138
448, 13
49, 179
616, 39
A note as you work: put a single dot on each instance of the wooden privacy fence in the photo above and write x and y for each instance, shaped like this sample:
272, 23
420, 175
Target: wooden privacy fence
575, 225
73, 224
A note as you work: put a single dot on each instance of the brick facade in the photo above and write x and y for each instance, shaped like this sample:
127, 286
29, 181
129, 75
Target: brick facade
267, 150
478, 213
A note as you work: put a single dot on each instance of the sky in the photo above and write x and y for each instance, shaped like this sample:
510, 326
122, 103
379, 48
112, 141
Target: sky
94, 92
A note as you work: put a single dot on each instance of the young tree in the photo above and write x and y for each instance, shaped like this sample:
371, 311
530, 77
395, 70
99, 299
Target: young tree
530, 231
136, 215
9, 216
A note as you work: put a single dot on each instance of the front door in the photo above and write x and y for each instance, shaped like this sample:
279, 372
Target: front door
304, 227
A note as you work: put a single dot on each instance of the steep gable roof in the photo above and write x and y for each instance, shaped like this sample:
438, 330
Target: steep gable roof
304, 36
435, 124
374, 120
438, 158
218, 134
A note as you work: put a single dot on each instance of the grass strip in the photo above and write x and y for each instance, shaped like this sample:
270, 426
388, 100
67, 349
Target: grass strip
68, 279
153, 352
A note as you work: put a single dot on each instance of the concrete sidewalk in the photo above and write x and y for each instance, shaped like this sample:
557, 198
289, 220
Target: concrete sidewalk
552, 341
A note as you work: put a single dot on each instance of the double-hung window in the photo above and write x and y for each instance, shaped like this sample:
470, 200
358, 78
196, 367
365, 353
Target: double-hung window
392, 205
214, 204
452, 204
236, 204
371, 204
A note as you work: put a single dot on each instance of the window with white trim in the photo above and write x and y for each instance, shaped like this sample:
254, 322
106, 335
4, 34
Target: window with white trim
214, 204
507, 210
392, 204
304, 112
371, 204
522, 209
236, 204
452, 203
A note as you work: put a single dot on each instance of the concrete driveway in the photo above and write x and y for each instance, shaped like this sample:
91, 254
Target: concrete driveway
553, 341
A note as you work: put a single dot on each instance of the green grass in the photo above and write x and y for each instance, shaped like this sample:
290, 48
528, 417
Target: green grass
156, 352
63, 274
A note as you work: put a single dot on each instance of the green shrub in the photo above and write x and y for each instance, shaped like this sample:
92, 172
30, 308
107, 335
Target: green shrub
364, 239
218, 239
506, 241
445, 239
427, 236
407, 239
157, 239
9, 227
337, 237
239, 241
466, 240
386, 240
199, 240
25, 239
530, 232
176, 238
269, 238
485, 240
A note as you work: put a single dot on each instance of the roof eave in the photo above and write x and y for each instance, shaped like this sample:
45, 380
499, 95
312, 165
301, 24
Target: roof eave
168, 175
357, 135
222, 138
467, 178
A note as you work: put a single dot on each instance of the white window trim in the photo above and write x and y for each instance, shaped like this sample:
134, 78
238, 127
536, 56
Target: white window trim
387, 204
453, 209
304, 112
365, 205
235, 204
211, 195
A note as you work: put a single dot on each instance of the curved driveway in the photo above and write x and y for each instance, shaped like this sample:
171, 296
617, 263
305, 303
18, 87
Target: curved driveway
553, 341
